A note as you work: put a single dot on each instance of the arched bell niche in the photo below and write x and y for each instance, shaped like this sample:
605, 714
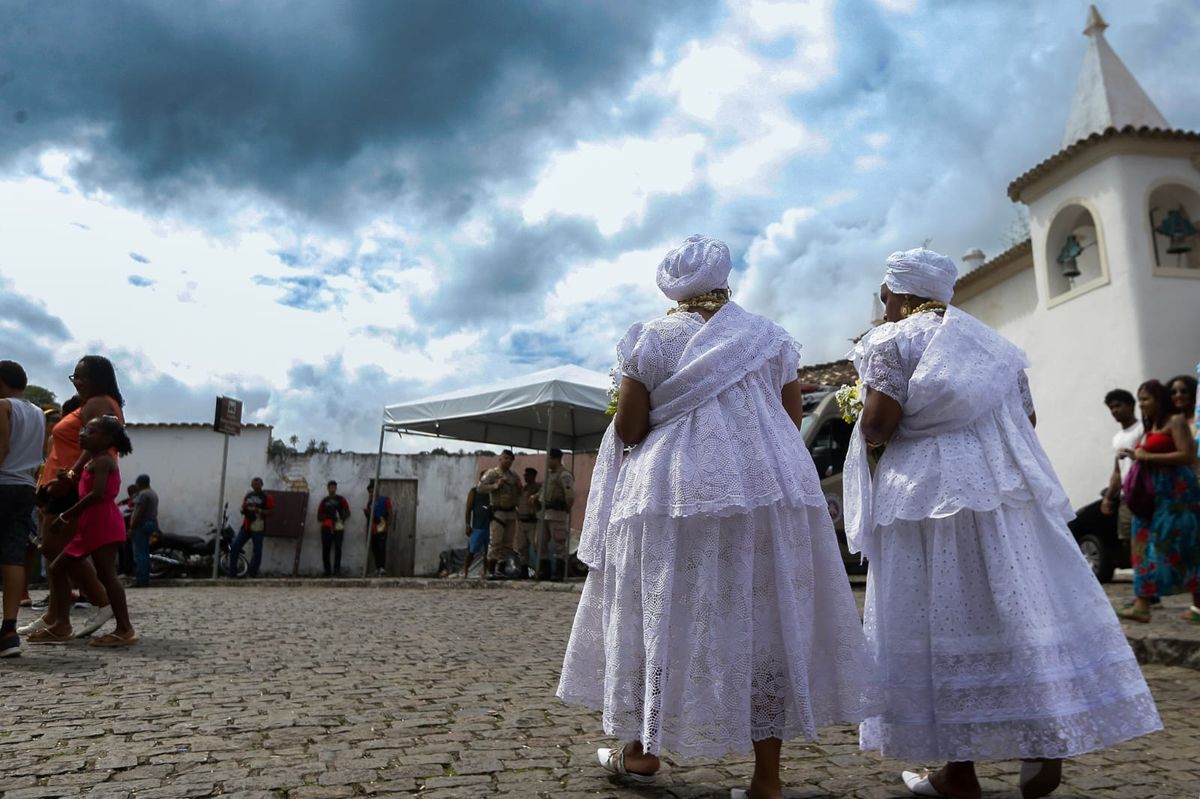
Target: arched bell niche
1174, 219
1074, 253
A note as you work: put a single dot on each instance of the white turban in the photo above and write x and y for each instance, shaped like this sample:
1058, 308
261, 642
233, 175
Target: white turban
698, 266
922, 273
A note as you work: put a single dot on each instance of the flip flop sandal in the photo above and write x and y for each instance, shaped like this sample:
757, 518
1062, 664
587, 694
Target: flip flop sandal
613, 761
1131, 613
47, 635
1191, 615
113, 640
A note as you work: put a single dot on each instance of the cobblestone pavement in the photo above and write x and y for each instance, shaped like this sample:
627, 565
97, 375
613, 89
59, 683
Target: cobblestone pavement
334, 692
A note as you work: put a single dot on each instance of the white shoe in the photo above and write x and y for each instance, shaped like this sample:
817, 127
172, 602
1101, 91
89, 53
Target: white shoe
739, 793
919, 783
95, 621
37, 624
613, 761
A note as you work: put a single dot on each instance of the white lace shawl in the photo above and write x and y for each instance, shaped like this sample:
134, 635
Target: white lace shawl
730, 345
963, 372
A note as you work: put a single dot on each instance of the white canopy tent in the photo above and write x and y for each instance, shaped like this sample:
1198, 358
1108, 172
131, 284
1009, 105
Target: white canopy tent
563, 407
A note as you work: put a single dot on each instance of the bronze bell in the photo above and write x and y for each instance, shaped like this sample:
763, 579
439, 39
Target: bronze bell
1067, 257
1178, 228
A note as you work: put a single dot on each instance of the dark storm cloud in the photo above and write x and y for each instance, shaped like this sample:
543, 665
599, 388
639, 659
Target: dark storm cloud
329, 108
18, 312
512, 272
328, 401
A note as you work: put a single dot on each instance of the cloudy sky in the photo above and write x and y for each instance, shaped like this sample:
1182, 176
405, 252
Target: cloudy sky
324, 207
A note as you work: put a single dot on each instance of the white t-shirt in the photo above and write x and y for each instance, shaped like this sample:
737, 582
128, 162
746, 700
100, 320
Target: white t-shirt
1127, 439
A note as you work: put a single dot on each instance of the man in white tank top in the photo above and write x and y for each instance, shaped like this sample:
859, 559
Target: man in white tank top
22, 434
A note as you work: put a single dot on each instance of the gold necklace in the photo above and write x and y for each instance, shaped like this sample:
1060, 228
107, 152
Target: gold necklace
932, 305
704, 302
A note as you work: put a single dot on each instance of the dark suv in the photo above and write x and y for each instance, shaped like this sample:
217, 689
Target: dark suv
1096, 535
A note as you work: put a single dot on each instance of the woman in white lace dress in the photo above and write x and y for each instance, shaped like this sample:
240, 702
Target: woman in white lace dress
993, 638
716, 616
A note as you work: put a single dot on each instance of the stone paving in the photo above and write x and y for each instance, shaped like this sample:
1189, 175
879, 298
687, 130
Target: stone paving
1166, 639
322, 693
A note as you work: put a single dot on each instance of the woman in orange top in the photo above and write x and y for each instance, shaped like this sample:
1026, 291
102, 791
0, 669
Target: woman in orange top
96, 388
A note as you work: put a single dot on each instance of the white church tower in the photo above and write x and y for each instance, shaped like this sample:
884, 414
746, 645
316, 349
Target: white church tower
1106, 291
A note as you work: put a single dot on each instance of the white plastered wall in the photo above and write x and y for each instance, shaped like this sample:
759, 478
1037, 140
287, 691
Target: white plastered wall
184, 464
1132, 327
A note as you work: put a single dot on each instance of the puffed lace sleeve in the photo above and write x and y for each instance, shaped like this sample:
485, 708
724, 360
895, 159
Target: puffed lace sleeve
883, 370
639, 355
787, 361
1026, 396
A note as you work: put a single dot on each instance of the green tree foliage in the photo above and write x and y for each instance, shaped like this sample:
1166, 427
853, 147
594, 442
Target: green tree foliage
39, 396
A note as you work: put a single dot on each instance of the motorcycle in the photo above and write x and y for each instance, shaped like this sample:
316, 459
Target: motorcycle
181, 556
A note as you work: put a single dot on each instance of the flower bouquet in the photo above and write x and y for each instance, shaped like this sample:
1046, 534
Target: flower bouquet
850, 401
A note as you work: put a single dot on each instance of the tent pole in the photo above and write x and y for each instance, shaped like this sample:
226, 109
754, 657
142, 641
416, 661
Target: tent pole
541, 522
371, 500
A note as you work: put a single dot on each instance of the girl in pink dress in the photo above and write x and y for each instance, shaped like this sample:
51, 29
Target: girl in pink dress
101, 527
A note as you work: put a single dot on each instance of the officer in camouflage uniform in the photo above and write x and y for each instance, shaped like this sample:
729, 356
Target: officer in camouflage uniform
558, 495
504, 488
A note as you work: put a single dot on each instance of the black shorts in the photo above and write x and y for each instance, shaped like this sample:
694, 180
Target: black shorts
57, 504
16, 508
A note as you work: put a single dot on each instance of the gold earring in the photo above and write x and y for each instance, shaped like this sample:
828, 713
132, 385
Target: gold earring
904, 311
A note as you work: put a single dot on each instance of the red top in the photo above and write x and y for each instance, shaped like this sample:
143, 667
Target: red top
1160, 443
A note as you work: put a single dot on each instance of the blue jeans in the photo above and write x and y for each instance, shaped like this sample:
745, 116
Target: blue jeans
239, 541
141, 552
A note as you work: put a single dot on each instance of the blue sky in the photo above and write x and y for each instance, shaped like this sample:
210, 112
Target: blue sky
322, 208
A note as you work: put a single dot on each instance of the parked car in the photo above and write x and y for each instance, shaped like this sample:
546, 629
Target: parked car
1096, 535
827, 436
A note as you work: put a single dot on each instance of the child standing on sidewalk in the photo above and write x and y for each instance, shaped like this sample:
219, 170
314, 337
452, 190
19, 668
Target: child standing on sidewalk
101, 528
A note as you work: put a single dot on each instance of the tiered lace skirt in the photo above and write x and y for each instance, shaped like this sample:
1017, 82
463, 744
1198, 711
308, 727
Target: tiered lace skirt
995, 642
705, 633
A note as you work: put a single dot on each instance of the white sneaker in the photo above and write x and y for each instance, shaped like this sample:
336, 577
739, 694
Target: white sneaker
37, 624
95, 621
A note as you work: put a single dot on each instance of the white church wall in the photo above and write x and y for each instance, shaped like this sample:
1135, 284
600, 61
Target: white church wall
1163, 301
1131, 327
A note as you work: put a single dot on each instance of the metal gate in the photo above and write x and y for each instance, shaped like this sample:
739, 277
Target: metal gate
402, 529
287, 520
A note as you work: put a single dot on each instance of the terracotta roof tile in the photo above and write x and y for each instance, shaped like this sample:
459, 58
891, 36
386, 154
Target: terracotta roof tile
1067, 153
1018, 250
833, 373
206, 425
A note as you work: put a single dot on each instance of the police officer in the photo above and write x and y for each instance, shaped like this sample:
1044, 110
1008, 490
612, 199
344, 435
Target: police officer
558, 495
527, 511
504, 489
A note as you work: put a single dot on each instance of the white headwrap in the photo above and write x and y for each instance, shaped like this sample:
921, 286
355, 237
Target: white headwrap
922, 273
695, 267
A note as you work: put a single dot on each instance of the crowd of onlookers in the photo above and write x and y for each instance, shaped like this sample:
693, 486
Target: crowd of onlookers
1154, 490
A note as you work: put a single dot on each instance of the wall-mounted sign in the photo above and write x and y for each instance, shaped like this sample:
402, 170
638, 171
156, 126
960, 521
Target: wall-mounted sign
228, 418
